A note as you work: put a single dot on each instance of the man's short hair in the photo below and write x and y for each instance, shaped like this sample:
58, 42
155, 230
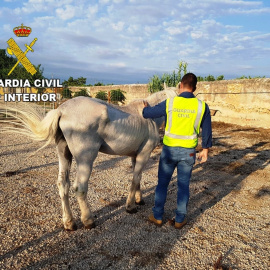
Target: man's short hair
189, 80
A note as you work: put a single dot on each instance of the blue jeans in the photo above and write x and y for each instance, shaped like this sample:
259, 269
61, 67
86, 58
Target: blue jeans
183, 159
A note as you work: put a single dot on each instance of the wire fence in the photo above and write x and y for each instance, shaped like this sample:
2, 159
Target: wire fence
111, 96
44, 107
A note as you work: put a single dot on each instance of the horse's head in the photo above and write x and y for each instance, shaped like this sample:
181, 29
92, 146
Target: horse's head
136, 106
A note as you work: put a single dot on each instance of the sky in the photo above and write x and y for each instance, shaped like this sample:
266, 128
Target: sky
129, 41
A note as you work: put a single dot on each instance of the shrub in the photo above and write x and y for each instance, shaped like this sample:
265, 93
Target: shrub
117, 95
82, 92
41, 90
102, 95
249, 77
66, 93
156, 83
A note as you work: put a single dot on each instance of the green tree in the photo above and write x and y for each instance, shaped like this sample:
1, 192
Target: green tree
69, 82
220, 77
7, 63
81, 81
210, 78
98, 84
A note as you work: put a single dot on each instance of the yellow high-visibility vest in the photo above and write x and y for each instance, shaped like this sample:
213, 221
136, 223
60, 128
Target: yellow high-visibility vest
184, 117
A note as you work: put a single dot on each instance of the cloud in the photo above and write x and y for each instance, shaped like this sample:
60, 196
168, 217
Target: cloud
7, 28
138, 36
172, 30
77, 38
245, 67
118, 26
196, 34
40, 6
257, 11
92, 10
112, 54
104, 2
68, 12
117, 65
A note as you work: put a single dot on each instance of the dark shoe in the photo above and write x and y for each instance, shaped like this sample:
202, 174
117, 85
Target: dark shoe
179, 225
152, 219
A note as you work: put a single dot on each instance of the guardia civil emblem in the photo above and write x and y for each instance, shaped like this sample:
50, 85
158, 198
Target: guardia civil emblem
14, 49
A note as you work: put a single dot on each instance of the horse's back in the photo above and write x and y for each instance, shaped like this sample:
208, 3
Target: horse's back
119, 132
81, 113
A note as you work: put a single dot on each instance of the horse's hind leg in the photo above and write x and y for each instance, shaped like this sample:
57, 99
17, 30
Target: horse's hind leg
84, 168
135, 194
138, 193
63, 183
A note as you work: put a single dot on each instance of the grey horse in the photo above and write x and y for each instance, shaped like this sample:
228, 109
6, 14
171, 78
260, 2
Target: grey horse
81, 127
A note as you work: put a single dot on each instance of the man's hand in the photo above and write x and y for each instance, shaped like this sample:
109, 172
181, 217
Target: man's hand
203, 155
146, 104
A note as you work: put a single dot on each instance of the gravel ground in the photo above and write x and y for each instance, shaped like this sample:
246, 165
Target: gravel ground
229, 210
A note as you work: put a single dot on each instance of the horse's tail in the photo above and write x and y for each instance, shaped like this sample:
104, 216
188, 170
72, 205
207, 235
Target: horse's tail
29, 120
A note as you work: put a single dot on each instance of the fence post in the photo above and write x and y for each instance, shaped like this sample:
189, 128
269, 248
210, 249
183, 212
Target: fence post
109, 96
6, 109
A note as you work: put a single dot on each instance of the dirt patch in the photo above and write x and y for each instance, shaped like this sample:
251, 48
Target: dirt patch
228, 219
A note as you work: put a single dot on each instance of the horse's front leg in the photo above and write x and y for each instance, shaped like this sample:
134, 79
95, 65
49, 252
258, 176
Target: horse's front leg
135, 194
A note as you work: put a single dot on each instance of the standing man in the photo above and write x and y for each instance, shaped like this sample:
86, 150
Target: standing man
185, 115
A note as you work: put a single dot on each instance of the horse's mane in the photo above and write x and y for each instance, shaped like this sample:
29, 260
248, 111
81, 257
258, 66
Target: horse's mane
160, 96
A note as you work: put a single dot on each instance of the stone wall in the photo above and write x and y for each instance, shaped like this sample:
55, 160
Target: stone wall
133, 91
242, 102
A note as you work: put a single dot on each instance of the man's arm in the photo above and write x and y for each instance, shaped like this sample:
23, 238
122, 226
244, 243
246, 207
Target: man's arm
206, 126
203, 155
154, 112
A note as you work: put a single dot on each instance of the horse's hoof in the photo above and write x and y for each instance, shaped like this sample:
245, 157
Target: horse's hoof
71, 227
90, 226
132, 211
142, 202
